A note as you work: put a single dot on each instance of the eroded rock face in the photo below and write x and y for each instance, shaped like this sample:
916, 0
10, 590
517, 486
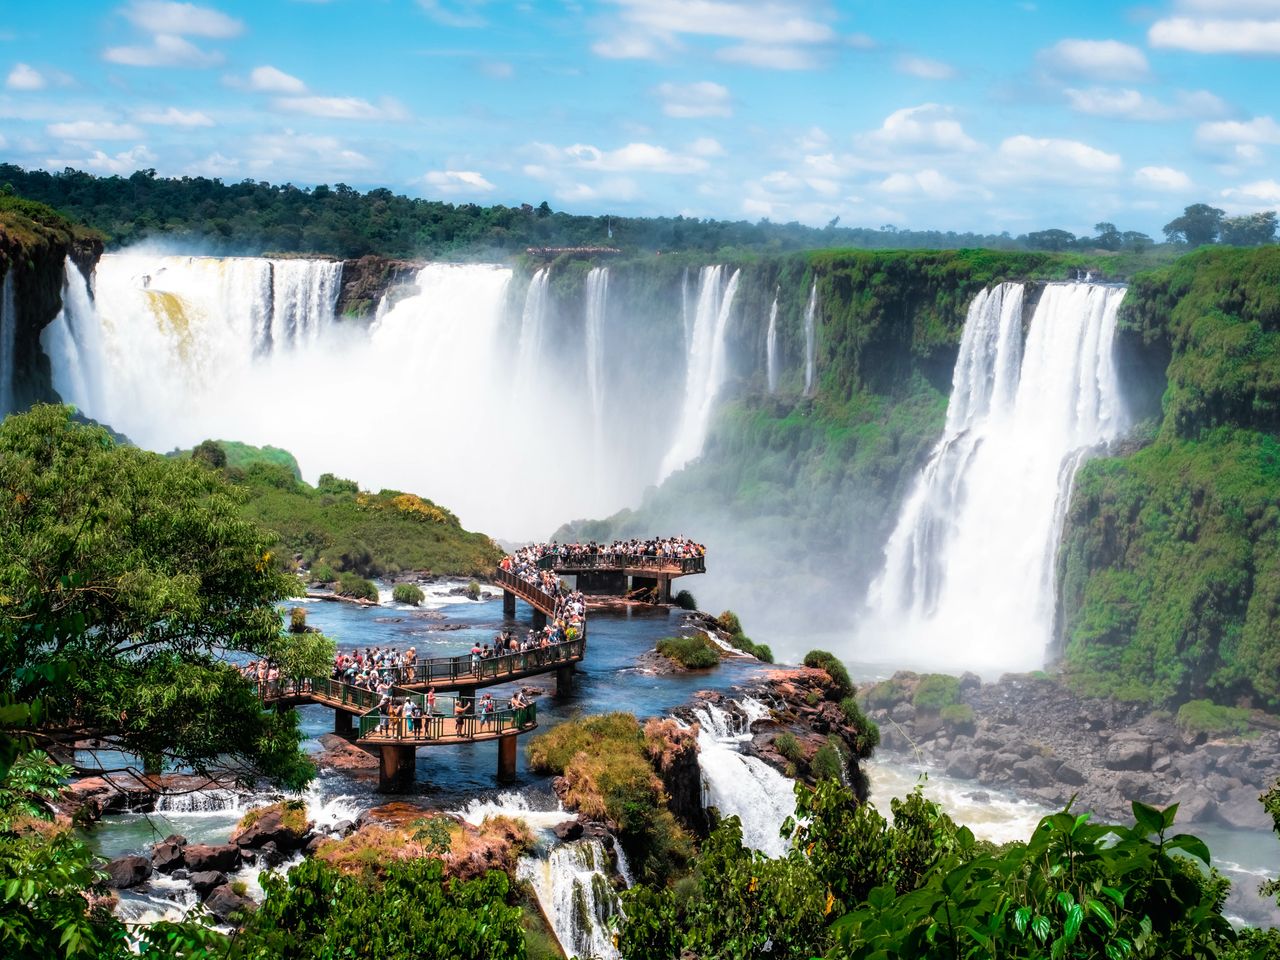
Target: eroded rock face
201, 857
274, 825
126, 872
223, 902
673, 751
365, 281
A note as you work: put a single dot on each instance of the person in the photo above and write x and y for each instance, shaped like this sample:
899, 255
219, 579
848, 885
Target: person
417, 724
431, 700
459, 715
486, 710
384, 714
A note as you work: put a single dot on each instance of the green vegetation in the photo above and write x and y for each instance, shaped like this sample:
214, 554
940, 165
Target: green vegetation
828, 762
788, 746
409, 593
1207, 717
868, 732
354, 586
298, 620
335, 527
605, 762
729, 622
841, 685
473, 590
694, 652
958, 715
686, 601
935, 692
241, 456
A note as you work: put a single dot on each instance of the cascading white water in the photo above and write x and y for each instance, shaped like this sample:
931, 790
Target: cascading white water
706, 369
8, 337
576, 896
533, 324
771, 348
810, 338
968, 581
597, 302
686, 311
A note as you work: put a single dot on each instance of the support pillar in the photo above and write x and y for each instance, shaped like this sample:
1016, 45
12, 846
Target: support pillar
343, 723
539, 619
508, 603
395, 772
664, 589
507, 757
564, 680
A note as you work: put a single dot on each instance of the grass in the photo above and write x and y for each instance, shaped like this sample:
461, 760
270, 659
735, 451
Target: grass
868, 737
693, 652
408, 593
789, 747
1212, 719
841, 685
293, 816
935, 692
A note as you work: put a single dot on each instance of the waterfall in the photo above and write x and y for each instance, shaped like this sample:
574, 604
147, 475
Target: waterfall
533, 322
771, 347
810, 338
968, 580
597, 300
575, 893
8, 338
303, 296
686, 314
706, 368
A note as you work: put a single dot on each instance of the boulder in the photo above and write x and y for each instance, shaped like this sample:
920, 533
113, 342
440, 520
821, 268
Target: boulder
286, 828
201, 857
126, 872
963, 765
223, 902
342, 827
1036, 772
1128, 754
567, 831
182, 873
1069, 775
903, 712
204, 881
1241, 809
167, 857
270, 855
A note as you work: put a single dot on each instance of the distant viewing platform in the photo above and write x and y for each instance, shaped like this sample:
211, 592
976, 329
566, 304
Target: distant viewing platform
583, 251
625, 568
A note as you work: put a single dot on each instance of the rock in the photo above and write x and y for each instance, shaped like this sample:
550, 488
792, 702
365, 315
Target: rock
567, 831
182, 873
222, 902
287, 829
903, 712
1241, 809
969, 681
126, 872
342, 827
338, 754
1036, 771
168, 856
1194, 807
203, 881
1128, 754
271, 855
203, 857
313, 845
963, 766
175, 838
1069, 775
93, 797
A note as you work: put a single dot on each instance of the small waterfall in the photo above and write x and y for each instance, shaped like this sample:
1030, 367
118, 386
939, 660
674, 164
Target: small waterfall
810, 338
576, 895
597, 301
8, 340
303, 296
706, 369
515, 805
771, 347
968, 580
533, 322
207, 801
686, 313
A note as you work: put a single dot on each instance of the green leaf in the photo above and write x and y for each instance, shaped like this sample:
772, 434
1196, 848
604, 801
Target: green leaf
1075, 917
1099, 909
1148, 818
1040, 927
1020, 919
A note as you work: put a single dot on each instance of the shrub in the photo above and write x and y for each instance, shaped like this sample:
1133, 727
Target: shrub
885, 694
686, 601
694, 652
935, 691
841, 685
473, 590
729, 622
828, 763
239, 888
408, 593
210, 453
1212, 719
958, 715
323, 573
868, 737
298, 620
744, 643
787, 745
353, 585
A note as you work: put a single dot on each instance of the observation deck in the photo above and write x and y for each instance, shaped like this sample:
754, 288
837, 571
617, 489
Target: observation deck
615, 574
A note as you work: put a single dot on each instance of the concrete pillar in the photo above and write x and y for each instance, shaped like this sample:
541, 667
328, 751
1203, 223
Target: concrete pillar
664, 589
343, 723
508, 603
564, 680
507, 757
539, 619
395, 772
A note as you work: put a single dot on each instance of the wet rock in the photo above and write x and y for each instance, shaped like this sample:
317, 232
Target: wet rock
567, 831
92, 797
168, 856
313, 845
284, 828
182, 873
1128, 754
204, 881
1240, 808
903, 712
126, 872
342, 827
963, 766
223, 902
1037, 772
271, 855
203, 857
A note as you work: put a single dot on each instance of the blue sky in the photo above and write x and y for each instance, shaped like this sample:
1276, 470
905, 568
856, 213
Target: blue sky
986, 116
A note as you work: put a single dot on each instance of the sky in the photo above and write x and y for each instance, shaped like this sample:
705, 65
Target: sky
985, 116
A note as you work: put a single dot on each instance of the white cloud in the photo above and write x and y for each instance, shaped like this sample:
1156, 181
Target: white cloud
1162, 178
166, 50
1118, 104
25, 77
692, 100
1258, 130
1050, 160
1095, 59
342, 108
100, 162
268, 79
173, 117
214, 165
288, 152
457, 181
182, 19
612, 188
924, 68
497, 69
775, 34
84, 130
464, 14
706, 147
928, 127
632, 158
1260, 191
922, 183
1201, 35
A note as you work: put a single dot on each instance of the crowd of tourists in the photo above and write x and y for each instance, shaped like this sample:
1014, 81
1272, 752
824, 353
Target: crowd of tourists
653, 549
571, 605
402, 717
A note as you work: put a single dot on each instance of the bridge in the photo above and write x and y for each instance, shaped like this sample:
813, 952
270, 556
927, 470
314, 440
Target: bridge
453, 720
620, 574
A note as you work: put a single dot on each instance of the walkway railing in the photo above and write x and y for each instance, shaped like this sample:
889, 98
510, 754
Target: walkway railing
444, 723
487, 668
325, 688
526, 591
613, 561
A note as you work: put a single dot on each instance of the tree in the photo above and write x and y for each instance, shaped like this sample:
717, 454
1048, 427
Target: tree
124, 579
1198, 225
1054, 240
1250, 230
1135, 241
1109, 238
210, 453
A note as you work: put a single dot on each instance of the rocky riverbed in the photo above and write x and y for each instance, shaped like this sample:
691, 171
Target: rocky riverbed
1033, 737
